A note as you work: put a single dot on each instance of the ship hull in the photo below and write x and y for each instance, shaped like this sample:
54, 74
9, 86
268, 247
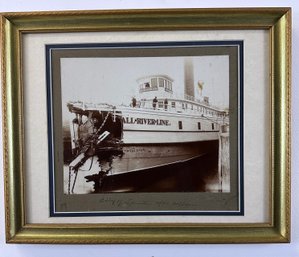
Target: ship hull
152, 168
198, 174
132, 158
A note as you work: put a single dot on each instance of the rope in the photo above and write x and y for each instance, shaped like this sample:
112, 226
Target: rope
76, 171
91, 163
76, 175
103, 123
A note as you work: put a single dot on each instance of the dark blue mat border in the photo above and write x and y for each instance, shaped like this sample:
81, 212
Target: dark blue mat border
87, 46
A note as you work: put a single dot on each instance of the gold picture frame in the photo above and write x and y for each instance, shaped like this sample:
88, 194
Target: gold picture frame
275, 21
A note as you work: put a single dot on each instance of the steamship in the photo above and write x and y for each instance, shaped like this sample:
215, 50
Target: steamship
157, 128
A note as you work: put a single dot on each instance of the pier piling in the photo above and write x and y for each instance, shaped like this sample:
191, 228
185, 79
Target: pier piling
224, 160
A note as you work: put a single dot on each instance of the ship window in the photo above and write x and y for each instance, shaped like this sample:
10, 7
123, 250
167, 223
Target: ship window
180, 124
167, 84
154, 82
145, 87
199, 125
173, 104
160, 104
186, 106
161, 82
191, 106
213, 126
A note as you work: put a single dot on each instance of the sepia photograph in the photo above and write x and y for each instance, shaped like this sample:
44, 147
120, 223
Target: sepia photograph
146, 119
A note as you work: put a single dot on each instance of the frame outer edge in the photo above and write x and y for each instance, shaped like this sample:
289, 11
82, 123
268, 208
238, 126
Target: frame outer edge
288, 82
10, 231
13, 142
9, 208
282, 125
16, 231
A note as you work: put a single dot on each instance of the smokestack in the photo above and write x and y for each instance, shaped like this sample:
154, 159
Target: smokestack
189, 77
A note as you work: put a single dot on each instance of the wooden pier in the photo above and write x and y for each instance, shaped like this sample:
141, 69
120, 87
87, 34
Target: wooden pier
224, 160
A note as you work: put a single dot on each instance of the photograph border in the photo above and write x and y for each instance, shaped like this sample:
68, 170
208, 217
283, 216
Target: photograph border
14, 25
238, 124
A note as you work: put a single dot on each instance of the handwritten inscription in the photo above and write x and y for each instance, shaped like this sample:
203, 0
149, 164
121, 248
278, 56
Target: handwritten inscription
144, 121
128, 203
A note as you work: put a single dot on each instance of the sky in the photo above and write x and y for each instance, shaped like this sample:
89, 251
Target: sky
114, 80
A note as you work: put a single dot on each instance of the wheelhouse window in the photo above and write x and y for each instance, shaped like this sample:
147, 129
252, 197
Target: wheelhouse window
154, 83
168, 86
173, 104
161, 82
147, 86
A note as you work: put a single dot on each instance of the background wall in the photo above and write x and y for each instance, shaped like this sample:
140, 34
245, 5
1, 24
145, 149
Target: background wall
257, 250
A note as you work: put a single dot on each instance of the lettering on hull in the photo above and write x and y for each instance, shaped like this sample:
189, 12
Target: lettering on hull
144, 121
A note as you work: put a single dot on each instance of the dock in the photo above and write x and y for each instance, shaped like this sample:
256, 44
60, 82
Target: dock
224, 160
